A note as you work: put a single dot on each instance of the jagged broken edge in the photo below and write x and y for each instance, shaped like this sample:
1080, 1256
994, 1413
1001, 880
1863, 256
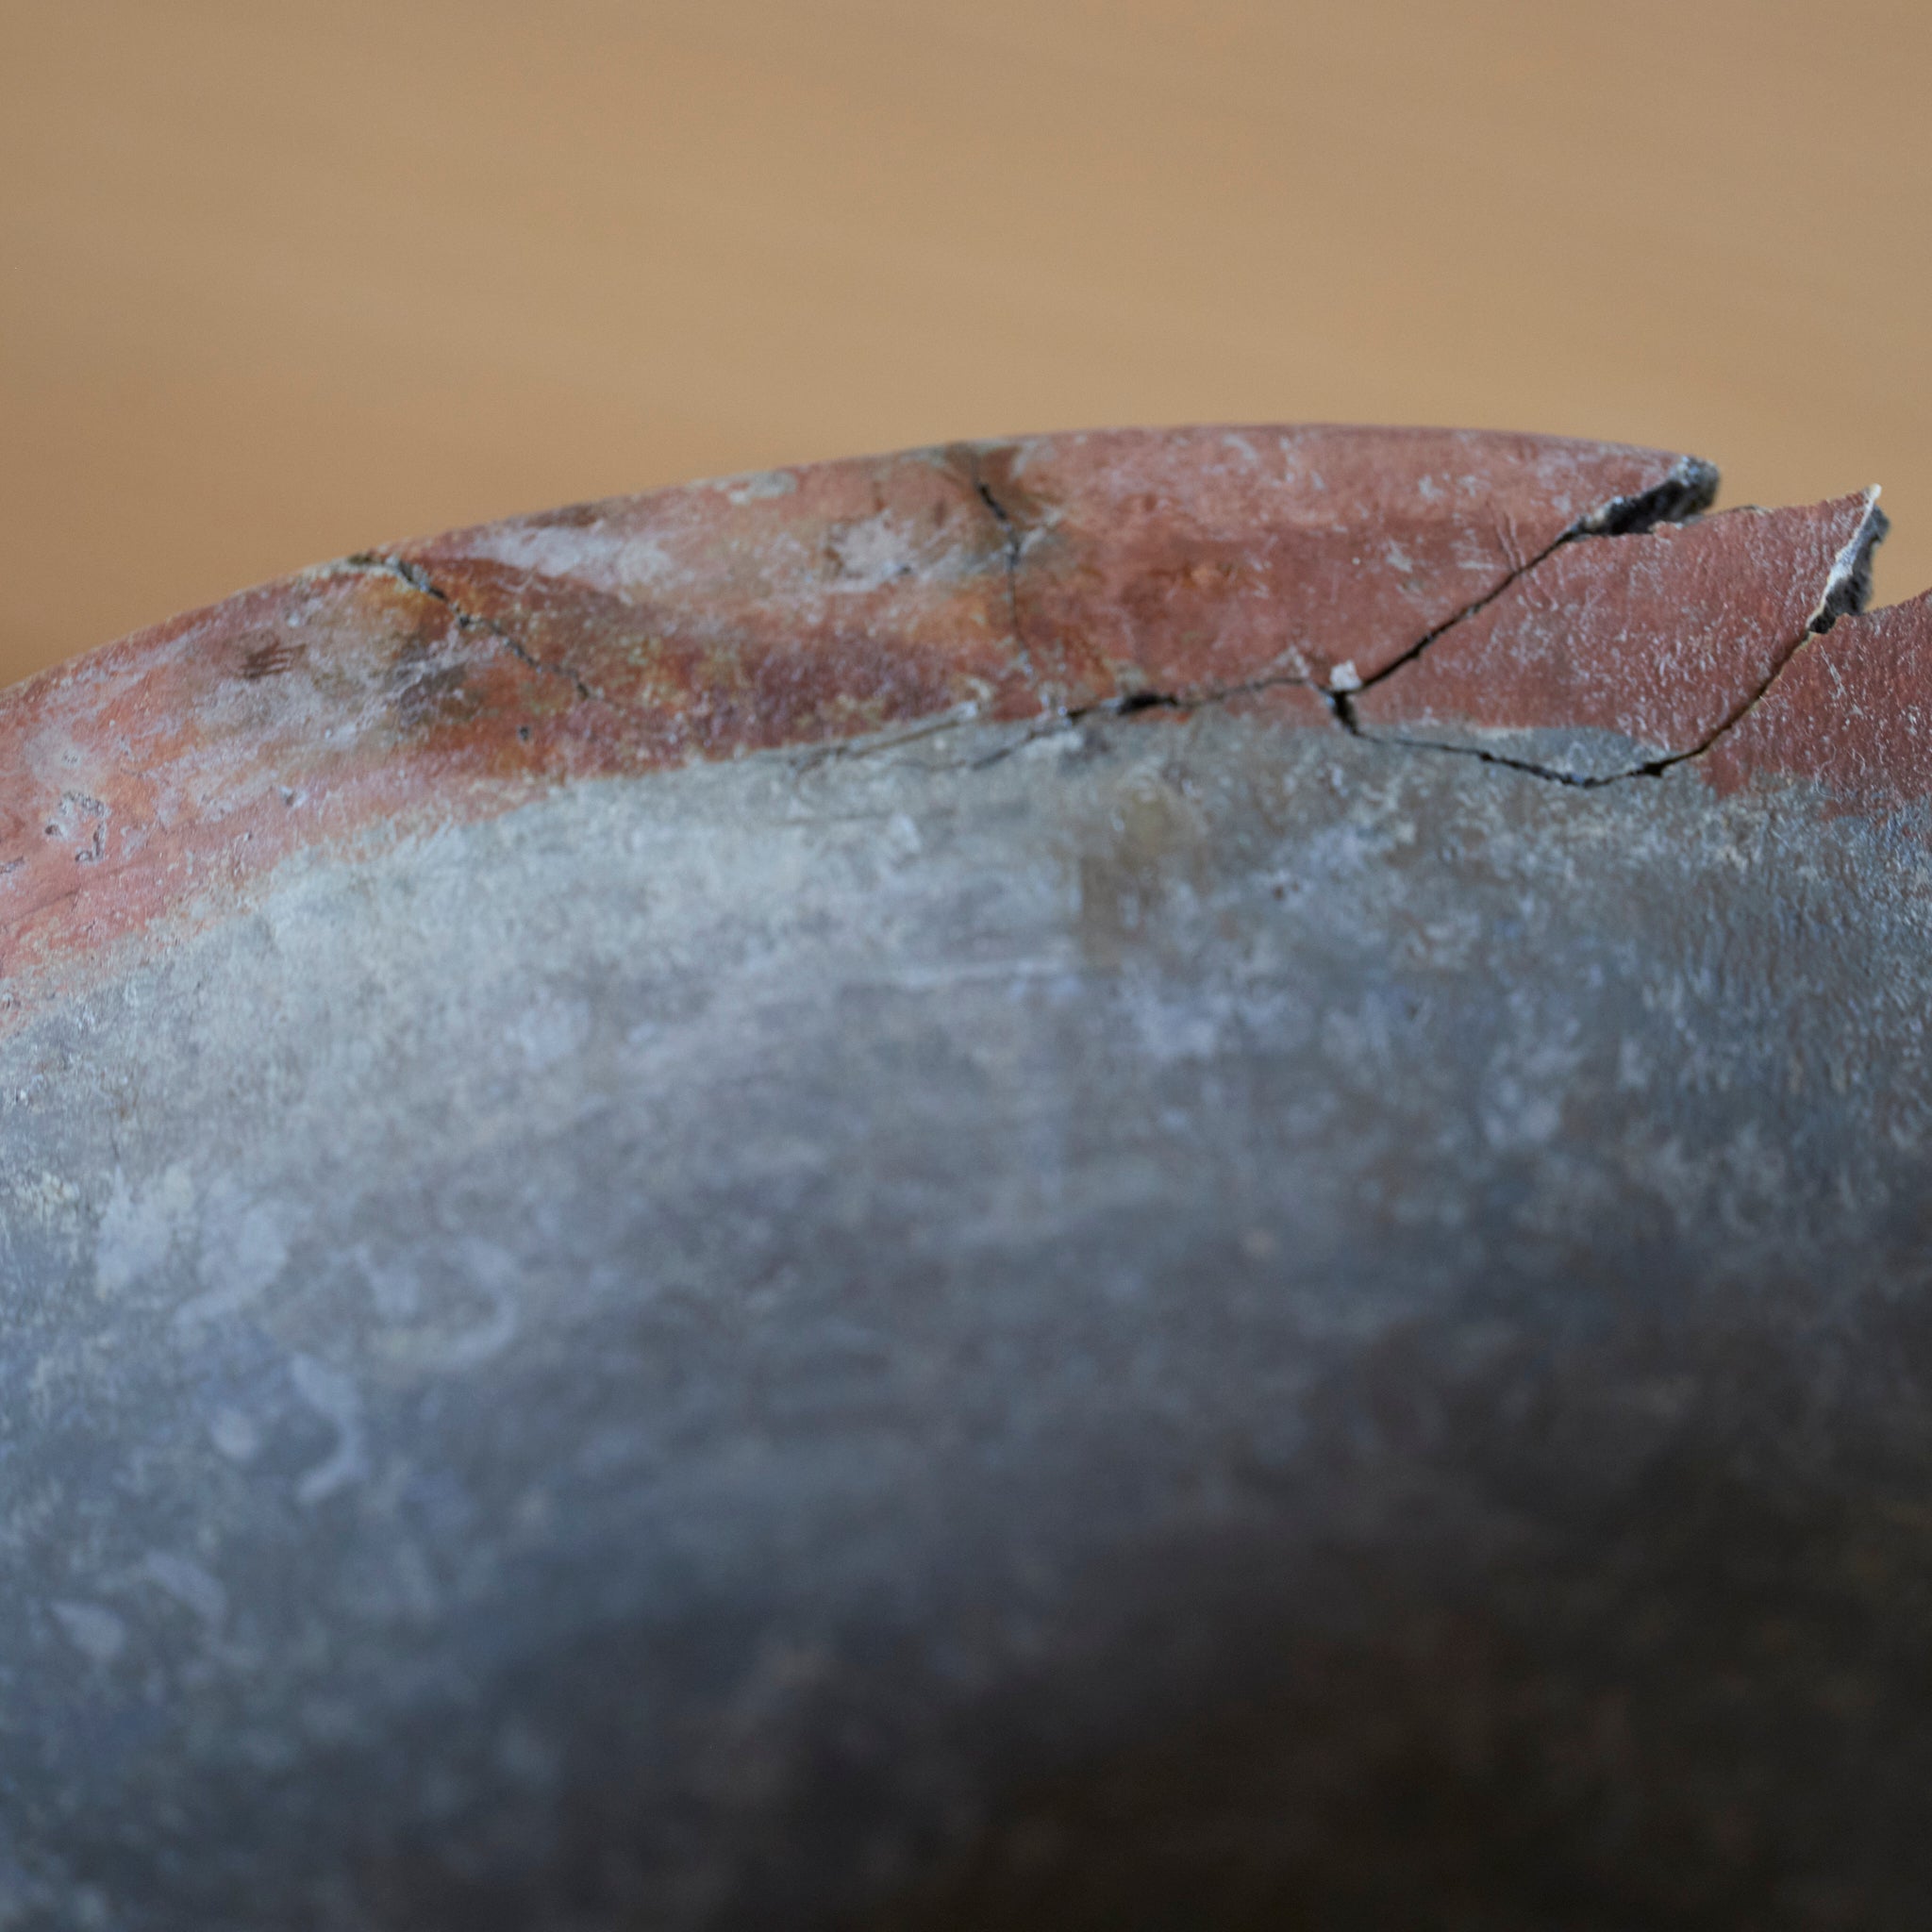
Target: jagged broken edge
1686, 492
1847, 592
1683, 495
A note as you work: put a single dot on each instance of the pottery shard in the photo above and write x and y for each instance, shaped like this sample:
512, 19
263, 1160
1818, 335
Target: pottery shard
1052, 574
1189, 562
1850, 713
452, 678
1618, 653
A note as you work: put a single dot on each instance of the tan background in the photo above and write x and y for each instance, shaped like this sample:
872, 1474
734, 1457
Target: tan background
282, 280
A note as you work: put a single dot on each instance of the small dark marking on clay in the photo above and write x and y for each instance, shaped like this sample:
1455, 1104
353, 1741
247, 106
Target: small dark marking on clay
271, 660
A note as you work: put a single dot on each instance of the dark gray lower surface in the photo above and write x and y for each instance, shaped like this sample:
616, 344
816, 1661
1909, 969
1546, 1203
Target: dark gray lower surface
1187, 1325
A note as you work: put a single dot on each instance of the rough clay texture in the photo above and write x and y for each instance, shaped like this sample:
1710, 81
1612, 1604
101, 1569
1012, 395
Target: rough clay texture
1164, 1317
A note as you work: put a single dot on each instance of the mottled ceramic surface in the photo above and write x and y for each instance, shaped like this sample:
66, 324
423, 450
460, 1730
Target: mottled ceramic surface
1161, 1179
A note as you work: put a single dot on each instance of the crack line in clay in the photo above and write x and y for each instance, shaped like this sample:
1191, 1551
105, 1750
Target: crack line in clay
424, 585
1846, 587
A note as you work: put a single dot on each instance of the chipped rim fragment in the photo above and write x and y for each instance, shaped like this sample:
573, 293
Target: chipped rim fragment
1304, 570
1626, 655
